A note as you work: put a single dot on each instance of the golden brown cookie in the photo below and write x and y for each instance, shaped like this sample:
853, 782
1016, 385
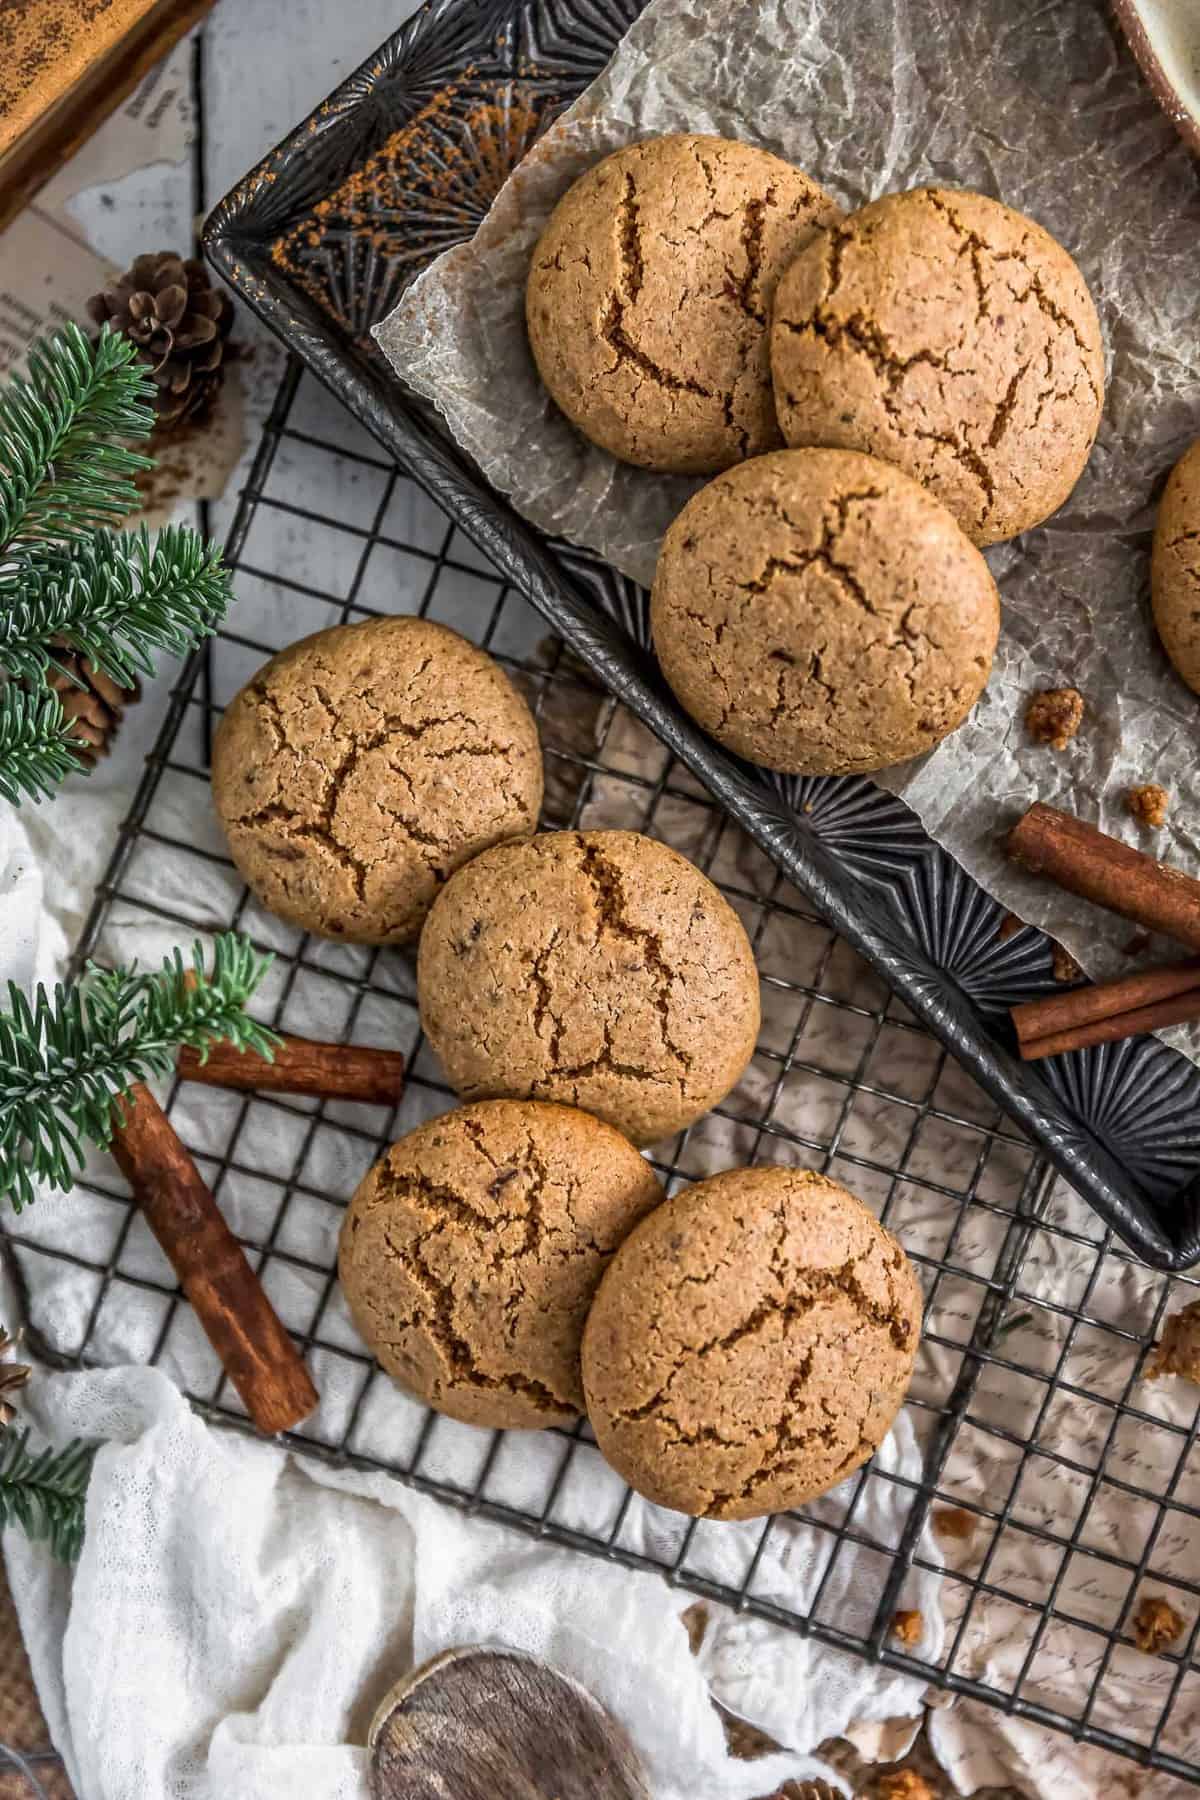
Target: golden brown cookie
470, 1254
598, 968
361, 766
649, 296
948, 334
750, 1344
819, 612
1175, 567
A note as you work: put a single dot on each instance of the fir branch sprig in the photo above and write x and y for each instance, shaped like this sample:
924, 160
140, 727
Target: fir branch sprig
70, 586
64, 1061
37, 747
65, 465
113, 597
45, 1491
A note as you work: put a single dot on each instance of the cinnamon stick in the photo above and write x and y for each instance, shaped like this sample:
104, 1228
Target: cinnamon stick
1109, 1011
241, 1325
1102, 869
303, 1066
1105, 1000
1182, 1009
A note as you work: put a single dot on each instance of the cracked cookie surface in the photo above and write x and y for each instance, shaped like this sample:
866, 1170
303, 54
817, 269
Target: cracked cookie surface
949, 334
361, 766
819, 612
649, 297
470, 1254
1175, 567
750, 1344
596, 968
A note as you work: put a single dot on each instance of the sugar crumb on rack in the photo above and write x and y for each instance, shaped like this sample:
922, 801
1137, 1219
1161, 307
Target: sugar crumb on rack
908, 1626
1155, 1624
954, 1523
1177, 1351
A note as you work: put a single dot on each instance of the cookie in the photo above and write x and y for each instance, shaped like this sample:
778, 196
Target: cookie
750, 1344
470, 1254
817, 611
598, 968
1175, 567
361, 766
649, 295
953, 336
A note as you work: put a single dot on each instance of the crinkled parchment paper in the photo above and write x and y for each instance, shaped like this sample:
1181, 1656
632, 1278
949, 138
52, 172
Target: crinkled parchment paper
1041, 106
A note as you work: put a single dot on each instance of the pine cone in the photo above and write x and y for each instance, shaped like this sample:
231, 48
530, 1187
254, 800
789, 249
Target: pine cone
12, 1377
92, 702
179, 322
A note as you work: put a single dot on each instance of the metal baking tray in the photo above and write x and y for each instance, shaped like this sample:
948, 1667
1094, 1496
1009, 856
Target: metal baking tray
403, 160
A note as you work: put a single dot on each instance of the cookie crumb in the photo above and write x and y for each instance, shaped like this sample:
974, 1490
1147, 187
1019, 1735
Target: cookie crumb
907, 1627
1054, 716
1155, 1624
1064, 965
905, 1784
1148, 804
1138, 944
1177, 1351
954, 1522
1009, 927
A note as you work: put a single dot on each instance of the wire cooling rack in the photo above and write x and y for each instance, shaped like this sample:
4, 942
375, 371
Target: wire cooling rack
1048, 1487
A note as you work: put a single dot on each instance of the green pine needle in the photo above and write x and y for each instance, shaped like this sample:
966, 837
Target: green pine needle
113, 597
45, 1492
38, 749
64, 464
63, 1061
68, 582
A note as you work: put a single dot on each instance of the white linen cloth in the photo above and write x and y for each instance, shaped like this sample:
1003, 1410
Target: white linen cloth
237, 1615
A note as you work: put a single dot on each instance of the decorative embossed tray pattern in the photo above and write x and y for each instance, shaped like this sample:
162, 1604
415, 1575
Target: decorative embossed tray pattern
403, 160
